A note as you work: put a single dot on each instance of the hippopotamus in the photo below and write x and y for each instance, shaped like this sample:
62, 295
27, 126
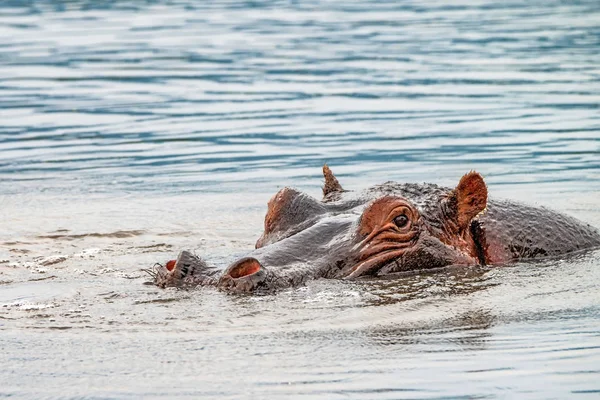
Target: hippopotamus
385, 230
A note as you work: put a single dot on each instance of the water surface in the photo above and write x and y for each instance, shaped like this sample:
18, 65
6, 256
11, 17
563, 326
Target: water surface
131, 130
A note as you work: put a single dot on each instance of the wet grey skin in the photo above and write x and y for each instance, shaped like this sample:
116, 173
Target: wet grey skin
385, 230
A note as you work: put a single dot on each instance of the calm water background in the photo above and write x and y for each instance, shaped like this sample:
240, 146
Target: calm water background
131, 130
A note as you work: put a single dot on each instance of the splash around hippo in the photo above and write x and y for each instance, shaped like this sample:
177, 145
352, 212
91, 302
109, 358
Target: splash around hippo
384, 230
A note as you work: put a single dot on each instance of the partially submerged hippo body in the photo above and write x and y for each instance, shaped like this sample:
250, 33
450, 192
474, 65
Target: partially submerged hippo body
385, 230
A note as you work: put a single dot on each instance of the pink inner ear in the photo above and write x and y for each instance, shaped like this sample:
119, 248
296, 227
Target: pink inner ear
244, 267
275, 209
471, 196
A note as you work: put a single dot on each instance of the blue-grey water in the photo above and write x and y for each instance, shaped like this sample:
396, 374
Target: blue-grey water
130, 130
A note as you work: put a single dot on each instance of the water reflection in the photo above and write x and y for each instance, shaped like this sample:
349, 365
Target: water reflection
466, 331
441, 283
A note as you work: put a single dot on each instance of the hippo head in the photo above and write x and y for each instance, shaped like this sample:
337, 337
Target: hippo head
387, 229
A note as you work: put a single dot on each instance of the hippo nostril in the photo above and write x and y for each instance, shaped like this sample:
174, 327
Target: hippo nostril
244, 267
243, 276
171, 265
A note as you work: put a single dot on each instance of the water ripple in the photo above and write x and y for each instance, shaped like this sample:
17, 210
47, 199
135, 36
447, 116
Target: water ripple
161, 91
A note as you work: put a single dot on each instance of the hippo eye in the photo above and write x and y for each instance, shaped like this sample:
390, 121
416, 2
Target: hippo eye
401, 221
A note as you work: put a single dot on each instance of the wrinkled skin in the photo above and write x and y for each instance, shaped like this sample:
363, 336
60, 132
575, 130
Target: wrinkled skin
385, 230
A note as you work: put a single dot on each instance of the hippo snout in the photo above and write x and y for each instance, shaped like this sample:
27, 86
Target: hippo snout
244, 275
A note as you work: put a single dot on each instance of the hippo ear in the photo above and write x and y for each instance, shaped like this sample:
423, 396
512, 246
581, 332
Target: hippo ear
468, 199
331, 183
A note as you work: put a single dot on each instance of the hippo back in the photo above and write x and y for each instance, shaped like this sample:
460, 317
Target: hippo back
518, 231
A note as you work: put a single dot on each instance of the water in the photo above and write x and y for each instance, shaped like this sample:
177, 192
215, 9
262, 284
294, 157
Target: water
131, 130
